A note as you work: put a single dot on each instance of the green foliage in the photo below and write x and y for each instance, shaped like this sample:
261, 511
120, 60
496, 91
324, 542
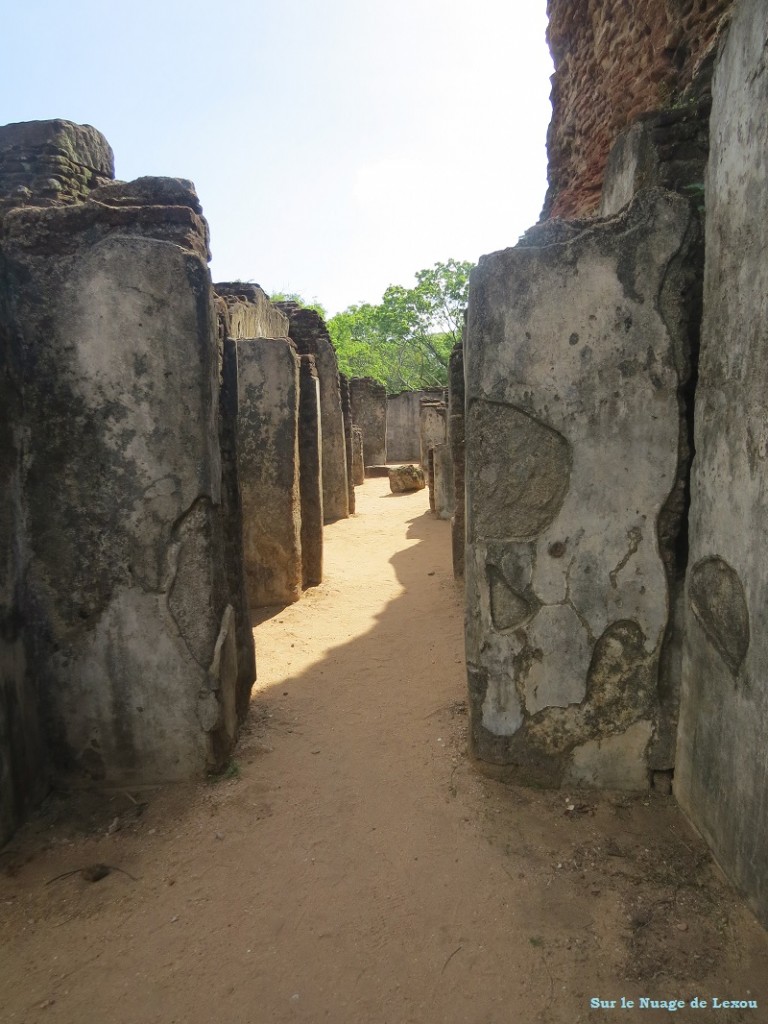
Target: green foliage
405, 341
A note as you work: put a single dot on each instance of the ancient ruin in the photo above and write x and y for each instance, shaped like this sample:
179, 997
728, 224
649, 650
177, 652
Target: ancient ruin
369, 413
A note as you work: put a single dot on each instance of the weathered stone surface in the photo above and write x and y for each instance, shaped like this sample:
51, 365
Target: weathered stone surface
128, 617
665, 148
404, 426
369, 412
358, 466
721, 777
308, 332
247, 311
346, 413
433, 428
611, 67
310, 475
268, 469
456, 429
577, 357
443, 481
48, 163
406, 478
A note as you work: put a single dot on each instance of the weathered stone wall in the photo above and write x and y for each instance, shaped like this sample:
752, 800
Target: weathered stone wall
310, 475
309, 334
722, 773
442, 466
369, 412
612, 65
456, 438
358, 466
268, 469
129, 625
403, 424
433, 428
578, 356
247, 312
346, 413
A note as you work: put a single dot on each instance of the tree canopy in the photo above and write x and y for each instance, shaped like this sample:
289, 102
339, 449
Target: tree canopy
405, 341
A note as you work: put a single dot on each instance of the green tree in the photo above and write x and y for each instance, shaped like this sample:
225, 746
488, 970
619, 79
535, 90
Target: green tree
405, 341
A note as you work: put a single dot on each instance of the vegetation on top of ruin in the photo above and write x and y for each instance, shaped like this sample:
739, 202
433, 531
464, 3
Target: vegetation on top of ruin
405, 340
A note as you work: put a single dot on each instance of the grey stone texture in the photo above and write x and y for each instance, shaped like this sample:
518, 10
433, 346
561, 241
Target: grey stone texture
721, 777
358, 466
369, 412
403, 424
664, 148
309, 334
247, 312
346, 413
406, 478
433, 428
444, 497
456, 438
310, 474
578, 357
125, 612
268, 468
50, 163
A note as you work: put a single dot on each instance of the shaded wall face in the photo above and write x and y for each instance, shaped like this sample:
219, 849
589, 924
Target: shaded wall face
403, 425
369, 412
268, 469
433, 428
722, 775
125, 603
310, 475
576, 348
611, 65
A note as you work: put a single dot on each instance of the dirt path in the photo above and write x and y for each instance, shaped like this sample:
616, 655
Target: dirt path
353, 867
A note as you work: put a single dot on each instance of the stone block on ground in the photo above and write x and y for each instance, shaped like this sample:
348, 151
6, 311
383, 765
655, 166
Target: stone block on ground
406, 478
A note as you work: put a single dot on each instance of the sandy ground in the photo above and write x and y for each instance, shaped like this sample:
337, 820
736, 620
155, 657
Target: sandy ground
352, 865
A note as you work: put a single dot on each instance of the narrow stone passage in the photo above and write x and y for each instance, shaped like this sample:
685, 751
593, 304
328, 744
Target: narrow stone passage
352, 865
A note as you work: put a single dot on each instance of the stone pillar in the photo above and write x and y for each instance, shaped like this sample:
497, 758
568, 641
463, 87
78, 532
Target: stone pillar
442, 462
369, 412
346, 412
358, 466
311, 475
577, 360
308, 332
246, 311
432, 428
721, 777
268, 467
456, 438
129, 620
403, 424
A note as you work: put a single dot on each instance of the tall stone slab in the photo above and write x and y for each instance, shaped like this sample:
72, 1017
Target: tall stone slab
433, 428
369, 412
310, 475
309, 334
268, 468
126, 610
456, 439
346, 413
721, 779
358, 466
443, 486
577, 362
247, 312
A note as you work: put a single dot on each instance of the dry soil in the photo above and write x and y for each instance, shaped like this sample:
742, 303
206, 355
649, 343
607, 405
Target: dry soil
352, 865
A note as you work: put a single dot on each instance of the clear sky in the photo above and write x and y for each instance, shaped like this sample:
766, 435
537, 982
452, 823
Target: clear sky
337, 145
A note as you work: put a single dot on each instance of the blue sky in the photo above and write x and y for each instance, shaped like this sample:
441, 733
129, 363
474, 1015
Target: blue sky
337, 145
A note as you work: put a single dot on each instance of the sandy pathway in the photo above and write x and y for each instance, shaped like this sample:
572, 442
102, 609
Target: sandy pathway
354, 867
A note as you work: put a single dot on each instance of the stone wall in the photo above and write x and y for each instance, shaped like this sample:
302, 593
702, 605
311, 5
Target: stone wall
721, 778
456, 438
369, 412
403, 424
246, 312
268, 469
442, 481
310, 475
129, 613
349, 441
308, 332
433, 428
578, 355
612, 65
